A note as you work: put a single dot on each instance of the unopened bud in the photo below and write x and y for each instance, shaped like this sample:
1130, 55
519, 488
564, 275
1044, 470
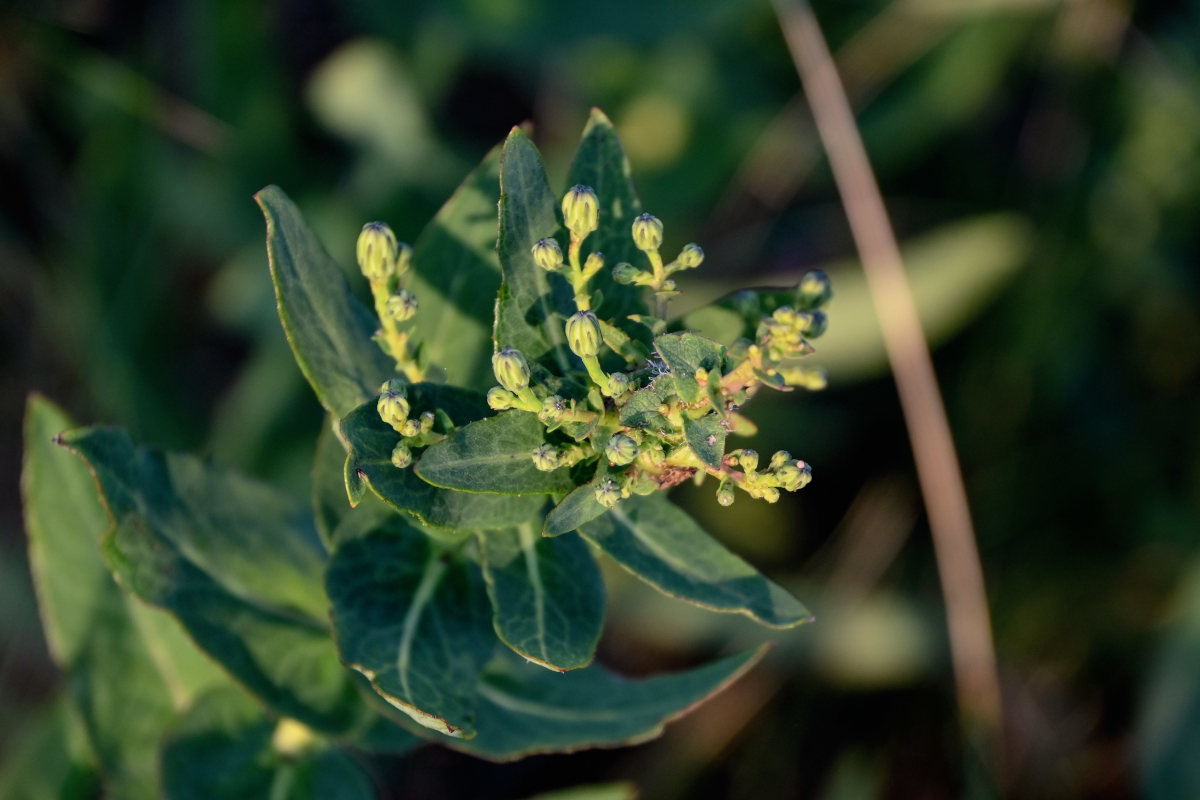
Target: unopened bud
647, 232
748, 459
427, 419
725, 494
553, 409
594, 263
780, 458
545, 458
814, 290
402, 305
621, 449
377, 251
403, 258
401, 456
410, 428
625, 273
691, 256
794, 476
499, 398
770, 494
583, 334
618, 384
581, 210
608, 493
547, 255
785, 315
392, 406
510, 368
813, 323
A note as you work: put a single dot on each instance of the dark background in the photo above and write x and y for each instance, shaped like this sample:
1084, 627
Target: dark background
1041, 162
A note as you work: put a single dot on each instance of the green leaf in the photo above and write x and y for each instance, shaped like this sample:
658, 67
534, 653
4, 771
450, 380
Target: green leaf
371, 442
532, 306
658, 542
414, 620
684, 353
706, 437
329, 501
641, 410
600, 162
328, 328
575, 509
493, 456
547, 594
238, 565
130, 667
227, 747
524, 710
456, 274
49, 760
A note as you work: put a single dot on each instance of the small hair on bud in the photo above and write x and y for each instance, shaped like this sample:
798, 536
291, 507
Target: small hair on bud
402, 305
510, 368
547, 254
647, 232
581, 210
583, 334
691, 256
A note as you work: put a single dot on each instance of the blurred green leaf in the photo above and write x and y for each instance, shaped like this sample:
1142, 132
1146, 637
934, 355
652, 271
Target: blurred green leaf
50, 760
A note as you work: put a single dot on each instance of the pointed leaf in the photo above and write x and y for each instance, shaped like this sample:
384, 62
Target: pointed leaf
226, 747
49, 760
657, 541
371, 442
239, 566
524, 710
533, 305
456, 274
493, 456
328, 328
548, 595
415, 621
575, 509
600, 162
684, 353
706, 437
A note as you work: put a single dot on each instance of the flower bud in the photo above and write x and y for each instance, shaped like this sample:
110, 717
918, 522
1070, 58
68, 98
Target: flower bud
499, 398
583, 334
426, 424
690, 257
547, 254
511, 370
794, 476
410, 428
748, 459
393, 409
618, 384
545, 458
647, 232
770, 494
780, 458
625, 273
786, 315
621, 449
581, 210
594, 263
377, 251
725, 494
814, 290
813, 323
553, 409
401, 306
401, 456
403, 258
608, 493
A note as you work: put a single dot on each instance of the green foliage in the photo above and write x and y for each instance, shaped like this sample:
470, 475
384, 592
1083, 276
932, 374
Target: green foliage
448, 556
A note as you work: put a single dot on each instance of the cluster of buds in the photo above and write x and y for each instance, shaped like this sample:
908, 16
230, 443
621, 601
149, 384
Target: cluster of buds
637, 457
394, 409
384, 262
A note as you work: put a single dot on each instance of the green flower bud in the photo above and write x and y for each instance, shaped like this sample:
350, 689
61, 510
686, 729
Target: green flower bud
393, 409
427, 419
545, 458
594, 263
511, 370
814, 290
690, 257
621, 449
748, 459
794, 476
608, 493
647, 232
499, 398
547, 254
618, 384
625, 273
581, 210
553, 409
401, 456
410, 428
668, 285
377, 251
403, 258
583, 334
786, 315
725, 494
780, 458
770, 494
813, 323
401, 306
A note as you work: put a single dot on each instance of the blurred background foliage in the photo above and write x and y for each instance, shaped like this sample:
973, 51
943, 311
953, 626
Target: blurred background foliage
1041, 161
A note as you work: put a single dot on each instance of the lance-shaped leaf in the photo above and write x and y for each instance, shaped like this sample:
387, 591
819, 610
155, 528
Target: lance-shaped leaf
131, 668
228, 747
578, 507
533, 305
600, 162
371, 443
706, 437
684, 353
658, 542
524, 710
238, 565
328, 328
414, 619
493, 456
456, 274
547, 595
